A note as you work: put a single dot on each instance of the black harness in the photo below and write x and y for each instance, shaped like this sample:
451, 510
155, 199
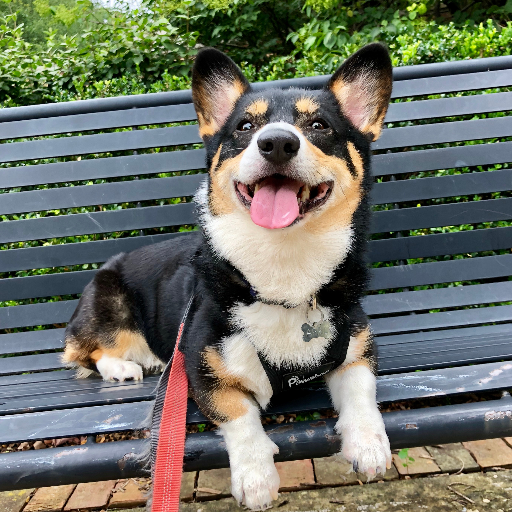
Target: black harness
288, 379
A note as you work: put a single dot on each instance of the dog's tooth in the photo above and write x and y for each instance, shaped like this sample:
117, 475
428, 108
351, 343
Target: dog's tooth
257, 187
305, 193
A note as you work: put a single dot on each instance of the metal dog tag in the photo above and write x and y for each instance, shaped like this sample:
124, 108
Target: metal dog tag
319, 329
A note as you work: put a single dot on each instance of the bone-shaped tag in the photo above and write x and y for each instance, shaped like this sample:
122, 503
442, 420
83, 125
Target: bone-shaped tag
317, 330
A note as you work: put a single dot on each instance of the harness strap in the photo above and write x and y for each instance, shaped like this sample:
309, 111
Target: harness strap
170, 415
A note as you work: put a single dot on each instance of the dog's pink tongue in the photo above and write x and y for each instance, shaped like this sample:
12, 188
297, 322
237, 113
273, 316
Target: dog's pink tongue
275, 205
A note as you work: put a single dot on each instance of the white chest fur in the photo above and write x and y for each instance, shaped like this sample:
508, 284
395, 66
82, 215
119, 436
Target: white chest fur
283, 265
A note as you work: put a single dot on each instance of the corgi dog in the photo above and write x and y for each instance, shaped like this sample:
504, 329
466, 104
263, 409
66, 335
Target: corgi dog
274, 276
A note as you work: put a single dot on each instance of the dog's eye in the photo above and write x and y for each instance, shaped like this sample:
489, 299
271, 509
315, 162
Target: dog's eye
245, 126
319, 124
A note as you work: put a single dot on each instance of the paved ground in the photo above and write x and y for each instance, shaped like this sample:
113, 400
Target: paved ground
467, 477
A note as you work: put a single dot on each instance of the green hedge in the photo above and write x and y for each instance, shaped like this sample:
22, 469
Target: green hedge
122, 51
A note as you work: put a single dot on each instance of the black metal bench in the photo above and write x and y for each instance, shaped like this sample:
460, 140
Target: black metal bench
451, 333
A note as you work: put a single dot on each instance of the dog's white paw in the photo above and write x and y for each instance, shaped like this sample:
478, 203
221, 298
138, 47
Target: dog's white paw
113, 369
365, 444
254, 477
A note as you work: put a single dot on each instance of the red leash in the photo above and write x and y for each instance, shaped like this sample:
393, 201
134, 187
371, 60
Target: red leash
168, 466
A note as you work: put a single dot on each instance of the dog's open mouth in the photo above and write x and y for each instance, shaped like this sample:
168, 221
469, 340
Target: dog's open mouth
277, 201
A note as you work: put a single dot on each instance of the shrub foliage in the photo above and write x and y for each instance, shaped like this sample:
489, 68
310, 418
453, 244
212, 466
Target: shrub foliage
90, 50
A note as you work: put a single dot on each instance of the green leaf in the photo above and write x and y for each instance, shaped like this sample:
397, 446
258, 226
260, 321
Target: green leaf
310, 41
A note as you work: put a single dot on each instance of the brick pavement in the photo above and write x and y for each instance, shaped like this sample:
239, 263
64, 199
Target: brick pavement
304, 476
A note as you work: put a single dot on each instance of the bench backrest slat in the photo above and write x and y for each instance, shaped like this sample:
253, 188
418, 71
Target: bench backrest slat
114, 167
97, 121
101, 143
441, 158
446, 107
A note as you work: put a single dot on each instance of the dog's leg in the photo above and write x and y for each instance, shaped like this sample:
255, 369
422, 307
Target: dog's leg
226, 399
254, 477
353, 390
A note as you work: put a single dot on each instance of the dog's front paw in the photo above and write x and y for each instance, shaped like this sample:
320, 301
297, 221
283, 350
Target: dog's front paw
113, 369
254, 477
365, 444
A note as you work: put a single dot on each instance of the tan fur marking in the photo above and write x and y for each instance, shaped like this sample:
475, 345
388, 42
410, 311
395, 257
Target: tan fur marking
257, 108
345, 197
127, 345
376, 127
362, 341
221, 192
206, 129
227, 399
356, 159
229, 403
363, 362
215, 159
306, 105
96, 355
359, 351
70, 355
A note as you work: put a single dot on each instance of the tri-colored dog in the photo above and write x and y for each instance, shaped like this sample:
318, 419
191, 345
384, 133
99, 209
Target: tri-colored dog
277, 270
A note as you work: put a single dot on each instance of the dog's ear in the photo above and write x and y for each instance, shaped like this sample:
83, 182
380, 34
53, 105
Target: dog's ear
217, 84
362, 86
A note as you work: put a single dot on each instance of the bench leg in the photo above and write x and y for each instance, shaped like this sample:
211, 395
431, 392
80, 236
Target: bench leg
364, 441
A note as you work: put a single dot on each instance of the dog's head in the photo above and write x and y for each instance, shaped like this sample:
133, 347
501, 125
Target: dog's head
290, 158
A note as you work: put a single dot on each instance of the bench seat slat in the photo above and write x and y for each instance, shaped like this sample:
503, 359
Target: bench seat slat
446, 107
97, 121
31, 390
438, 133
106, 193
69, 283
441, 158
66, 399
43, 378
113, 167
100, 143
132, 416
440, 244
421, 274
426, 321
477, 333
181, 186
97, 222
441, 355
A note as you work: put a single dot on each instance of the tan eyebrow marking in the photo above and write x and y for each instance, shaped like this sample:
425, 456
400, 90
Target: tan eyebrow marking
257, 108
306, 105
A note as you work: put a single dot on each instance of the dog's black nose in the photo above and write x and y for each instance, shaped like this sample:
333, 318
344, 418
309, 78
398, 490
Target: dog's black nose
278, 145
